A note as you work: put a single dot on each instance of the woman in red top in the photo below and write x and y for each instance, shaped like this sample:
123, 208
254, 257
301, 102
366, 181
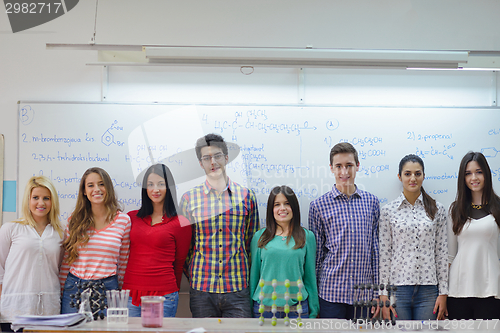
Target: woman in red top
159, 243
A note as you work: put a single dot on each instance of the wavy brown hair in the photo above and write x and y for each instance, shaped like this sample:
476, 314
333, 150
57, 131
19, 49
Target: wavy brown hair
82, 218
296, 230
460, 208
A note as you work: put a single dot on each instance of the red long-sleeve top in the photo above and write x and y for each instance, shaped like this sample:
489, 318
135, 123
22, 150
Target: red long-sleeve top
157, 256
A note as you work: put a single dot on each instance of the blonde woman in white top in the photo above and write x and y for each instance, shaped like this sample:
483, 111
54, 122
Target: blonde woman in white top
413, 248
473, 234
30, 255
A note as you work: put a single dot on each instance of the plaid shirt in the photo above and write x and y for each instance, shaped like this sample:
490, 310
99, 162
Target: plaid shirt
346, 230
223, 226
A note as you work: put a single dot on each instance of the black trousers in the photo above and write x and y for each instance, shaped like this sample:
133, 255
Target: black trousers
5, 327
473, 308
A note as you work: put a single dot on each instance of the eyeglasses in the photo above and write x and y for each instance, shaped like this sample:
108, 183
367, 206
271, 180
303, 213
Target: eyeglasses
217, 157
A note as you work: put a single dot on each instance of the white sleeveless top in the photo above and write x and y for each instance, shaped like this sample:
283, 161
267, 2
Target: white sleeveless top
474, 258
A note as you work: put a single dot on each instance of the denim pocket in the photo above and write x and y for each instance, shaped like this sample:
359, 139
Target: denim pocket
244, 293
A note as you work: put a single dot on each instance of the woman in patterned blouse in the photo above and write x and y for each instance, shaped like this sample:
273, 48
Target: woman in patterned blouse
413, 248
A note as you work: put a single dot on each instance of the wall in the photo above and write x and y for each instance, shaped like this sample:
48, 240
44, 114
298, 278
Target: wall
358, 24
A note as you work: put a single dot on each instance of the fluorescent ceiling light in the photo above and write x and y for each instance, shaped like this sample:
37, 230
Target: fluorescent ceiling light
285, 57
162, 55
456, 69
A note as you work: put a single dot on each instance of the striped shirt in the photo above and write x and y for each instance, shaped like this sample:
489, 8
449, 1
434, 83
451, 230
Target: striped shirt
105, 254
346, 230
223, 226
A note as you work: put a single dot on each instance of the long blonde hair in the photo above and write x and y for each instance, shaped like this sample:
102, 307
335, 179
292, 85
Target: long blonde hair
82, 218
53, 215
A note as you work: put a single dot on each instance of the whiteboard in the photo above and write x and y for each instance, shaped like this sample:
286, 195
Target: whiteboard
272, 145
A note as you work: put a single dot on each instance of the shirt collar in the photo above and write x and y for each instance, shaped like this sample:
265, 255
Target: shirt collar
207, 187
402, 199
337, 193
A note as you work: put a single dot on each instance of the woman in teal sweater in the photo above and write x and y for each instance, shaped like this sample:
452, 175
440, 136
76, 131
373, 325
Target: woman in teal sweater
284, 251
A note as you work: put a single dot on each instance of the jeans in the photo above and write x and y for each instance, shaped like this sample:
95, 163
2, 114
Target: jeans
169, 306
281, 314
226, 305
70, 288
338, 310
416, 302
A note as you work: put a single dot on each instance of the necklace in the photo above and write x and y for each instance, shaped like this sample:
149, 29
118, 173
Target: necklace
477, 206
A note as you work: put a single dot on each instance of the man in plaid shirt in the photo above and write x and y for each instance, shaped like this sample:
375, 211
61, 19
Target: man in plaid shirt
224, 216
345, 223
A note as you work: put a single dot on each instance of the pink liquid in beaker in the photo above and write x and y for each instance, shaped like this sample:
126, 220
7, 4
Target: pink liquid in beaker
152, 311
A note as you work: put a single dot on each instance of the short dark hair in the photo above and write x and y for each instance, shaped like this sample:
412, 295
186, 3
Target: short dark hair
211, 139
170, 203
343, 147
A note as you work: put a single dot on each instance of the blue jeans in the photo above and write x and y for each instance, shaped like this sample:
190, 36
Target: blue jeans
339, 310
281, 314
416, 302
169, 306
70, 288
224, 305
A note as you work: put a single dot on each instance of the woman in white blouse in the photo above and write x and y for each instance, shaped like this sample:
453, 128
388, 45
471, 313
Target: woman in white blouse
30, 255
473, 243
413, 248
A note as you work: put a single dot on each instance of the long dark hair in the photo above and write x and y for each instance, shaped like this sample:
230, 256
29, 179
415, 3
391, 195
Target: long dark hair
170, 203
429, 203
297, 232
460, 208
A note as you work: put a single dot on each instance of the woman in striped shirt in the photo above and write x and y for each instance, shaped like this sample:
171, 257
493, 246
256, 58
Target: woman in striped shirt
96, 239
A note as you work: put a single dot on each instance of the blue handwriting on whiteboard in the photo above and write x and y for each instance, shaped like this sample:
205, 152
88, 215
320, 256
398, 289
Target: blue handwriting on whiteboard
286, 168
443, 191
131, 202
129, 185
65, 180
426, 137
371, 153
435, 151
489, 152
42, 157
444, 176
108, 138
255, 114
26, 114
151, 148
89, 157
496, 173
72, 195
56, 139
332, 124
494, 131
373, 169
363, 141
